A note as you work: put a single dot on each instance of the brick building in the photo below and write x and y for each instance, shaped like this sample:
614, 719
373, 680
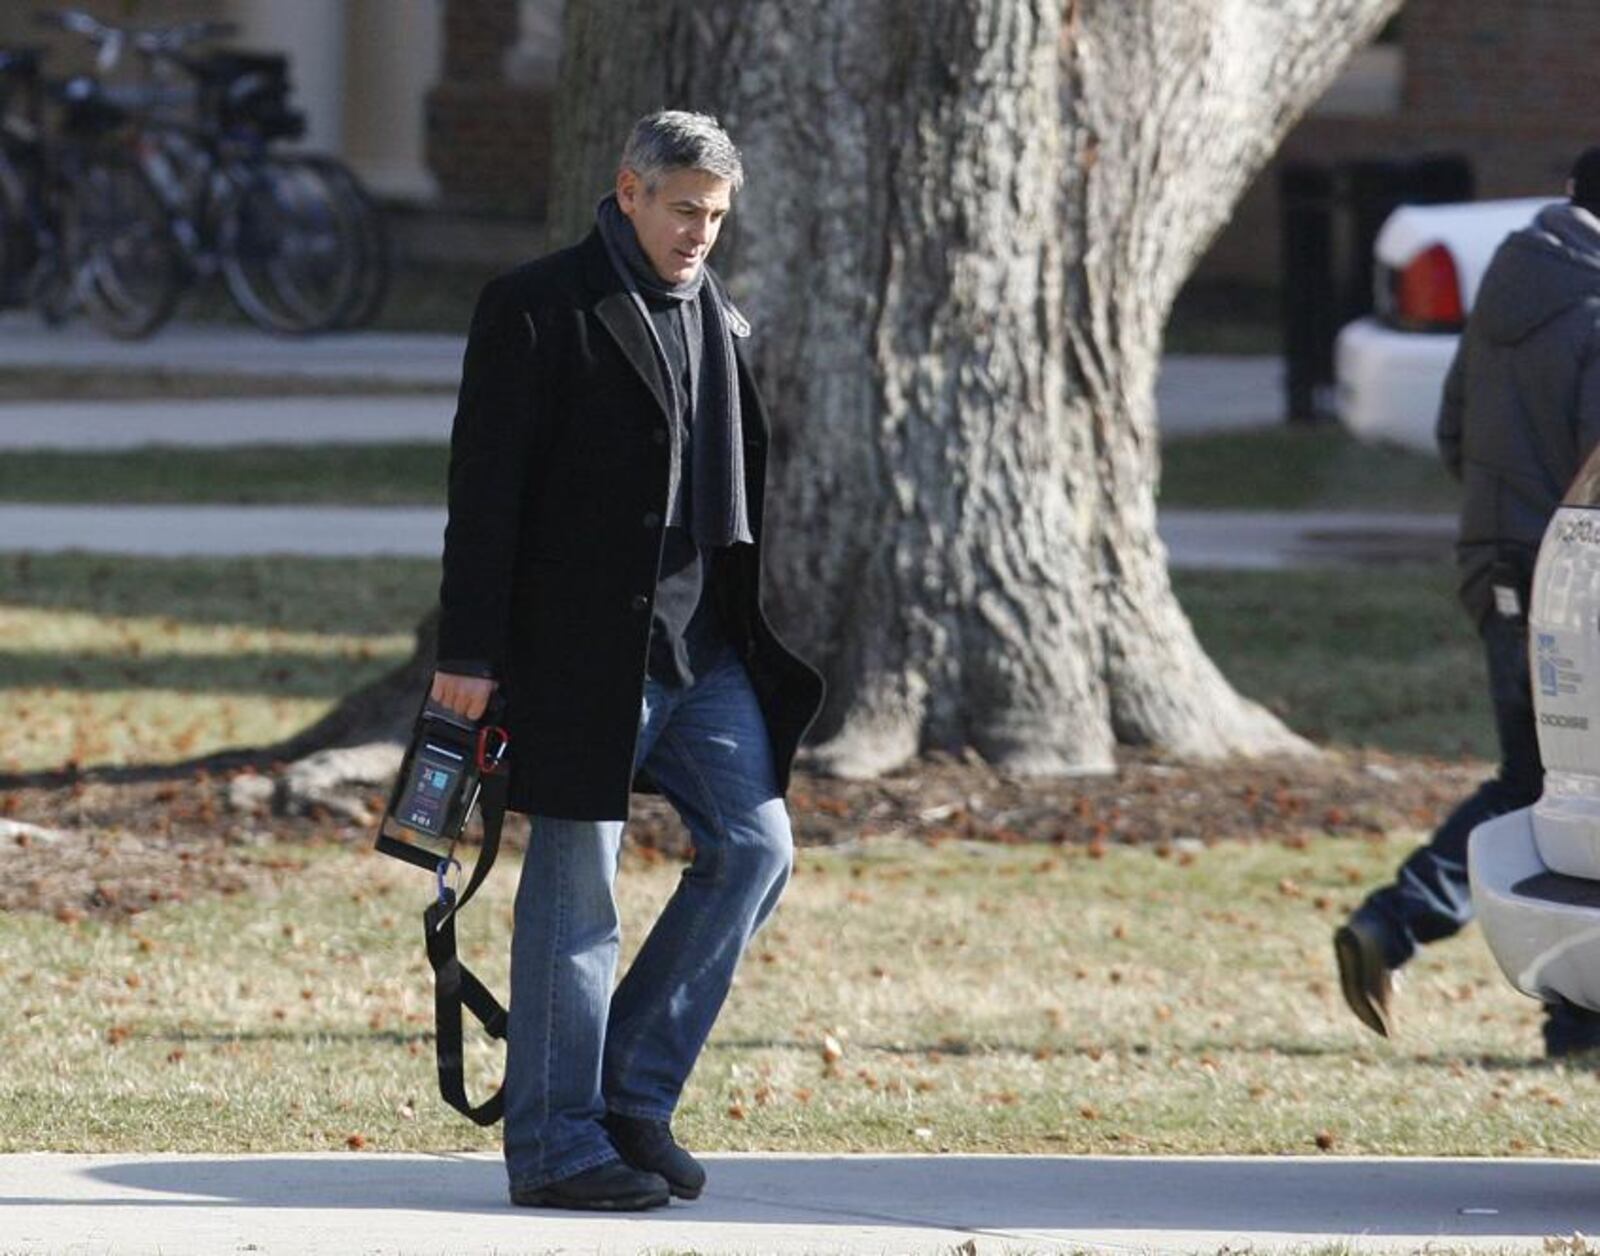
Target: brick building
1509, 84
489, 115
447, 103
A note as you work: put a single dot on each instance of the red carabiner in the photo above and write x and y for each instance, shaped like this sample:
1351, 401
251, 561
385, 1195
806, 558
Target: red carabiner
489, 761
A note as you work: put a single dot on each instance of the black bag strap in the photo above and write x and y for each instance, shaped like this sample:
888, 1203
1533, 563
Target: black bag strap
492, 807
454, 985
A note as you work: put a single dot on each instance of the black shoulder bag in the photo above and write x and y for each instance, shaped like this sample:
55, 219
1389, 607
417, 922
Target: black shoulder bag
451, 766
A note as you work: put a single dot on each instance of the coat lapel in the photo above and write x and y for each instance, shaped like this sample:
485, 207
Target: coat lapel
752, 411
621, 317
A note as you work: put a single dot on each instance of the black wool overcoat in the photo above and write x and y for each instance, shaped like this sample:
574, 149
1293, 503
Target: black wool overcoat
558, 487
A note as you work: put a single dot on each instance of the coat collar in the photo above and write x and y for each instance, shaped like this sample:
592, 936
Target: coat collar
618, 314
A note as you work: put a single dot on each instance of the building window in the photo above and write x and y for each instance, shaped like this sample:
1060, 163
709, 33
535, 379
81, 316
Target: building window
1370, 86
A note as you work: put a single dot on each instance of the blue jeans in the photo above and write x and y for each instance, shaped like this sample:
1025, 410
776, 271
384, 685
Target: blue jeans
1430, 898
575, 1049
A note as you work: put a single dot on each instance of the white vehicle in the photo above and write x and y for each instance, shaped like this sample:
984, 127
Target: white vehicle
1390, 367
1536, 872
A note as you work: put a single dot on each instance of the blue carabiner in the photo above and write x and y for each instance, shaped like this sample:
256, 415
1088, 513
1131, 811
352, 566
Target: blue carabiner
441, 875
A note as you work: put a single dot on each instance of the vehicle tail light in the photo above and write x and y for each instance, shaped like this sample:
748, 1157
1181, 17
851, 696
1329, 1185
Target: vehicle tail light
1426, 293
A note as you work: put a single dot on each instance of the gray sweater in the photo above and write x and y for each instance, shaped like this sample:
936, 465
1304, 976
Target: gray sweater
1521, 408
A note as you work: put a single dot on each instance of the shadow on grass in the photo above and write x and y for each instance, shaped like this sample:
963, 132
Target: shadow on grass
224, 1038
1533, 1062
961, 1048
265, 675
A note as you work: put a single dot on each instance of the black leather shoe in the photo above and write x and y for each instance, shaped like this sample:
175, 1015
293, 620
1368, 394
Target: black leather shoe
1364, 974
611, 1187
1570, 1030
649, 1145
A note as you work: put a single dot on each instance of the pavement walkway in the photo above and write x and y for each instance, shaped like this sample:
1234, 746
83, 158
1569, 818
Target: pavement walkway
1195, 393
227, 349
777, 1205
1195, 539
216, 422
1242, 540
216, 531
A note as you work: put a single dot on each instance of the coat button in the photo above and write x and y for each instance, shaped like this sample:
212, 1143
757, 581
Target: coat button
659, 435
651, 519
641, 601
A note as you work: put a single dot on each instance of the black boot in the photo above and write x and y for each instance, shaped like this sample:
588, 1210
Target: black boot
1364, 973
649, 1145
611, 1187
1570, 1030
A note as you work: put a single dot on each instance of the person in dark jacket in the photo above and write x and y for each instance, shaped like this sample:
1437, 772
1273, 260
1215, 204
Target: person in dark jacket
1520, 414
602, 567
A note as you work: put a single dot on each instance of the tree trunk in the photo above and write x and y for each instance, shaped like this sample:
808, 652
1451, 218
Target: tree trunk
965, 224
381, 710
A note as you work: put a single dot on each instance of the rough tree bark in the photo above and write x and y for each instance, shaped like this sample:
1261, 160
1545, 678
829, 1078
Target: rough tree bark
965, 224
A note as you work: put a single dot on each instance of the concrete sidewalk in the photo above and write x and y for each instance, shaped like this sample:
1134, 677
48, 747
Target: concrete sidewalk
308, 1205
1197, 394
216, 531
1194, 393
204, 348
219, 422
1242, 540
1195, 539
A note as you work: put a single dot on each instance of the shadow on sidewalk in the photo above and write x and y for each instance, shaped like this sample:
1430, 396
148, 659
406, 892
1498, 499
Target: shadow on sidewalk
967, 1193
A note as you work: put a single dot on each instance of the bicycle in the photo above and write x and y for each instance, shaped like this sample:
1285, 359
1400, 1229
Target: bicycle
75, 212
299, 245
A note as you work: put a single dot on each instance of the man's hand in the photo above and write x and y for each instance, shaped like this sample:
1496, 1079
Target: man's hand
465, 695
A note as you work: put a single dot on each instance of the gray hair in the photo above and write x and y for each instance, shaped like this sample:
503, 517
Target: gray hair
674, 139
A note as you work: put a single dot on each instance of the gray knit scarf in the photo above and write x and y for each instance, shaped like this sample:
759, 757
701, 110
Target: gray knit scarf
715, 511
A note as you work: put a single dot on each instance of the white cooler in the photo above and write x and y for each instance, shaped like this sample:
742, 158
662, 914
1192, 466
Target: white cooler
1536, 872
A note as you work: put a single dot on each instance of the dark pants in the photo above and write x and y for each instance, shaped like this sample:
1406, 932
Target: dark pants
1429, 898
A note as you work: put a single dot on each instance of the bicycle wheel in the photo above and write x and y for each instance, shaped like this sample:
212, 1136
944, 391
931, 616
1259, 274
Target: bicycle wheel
117, 244
13, 267
375, 264
288, 246
49, 292
17, 249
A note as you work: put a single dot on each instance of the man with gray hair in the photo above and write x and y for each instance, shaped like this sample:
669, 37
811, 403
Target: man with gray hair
602, 569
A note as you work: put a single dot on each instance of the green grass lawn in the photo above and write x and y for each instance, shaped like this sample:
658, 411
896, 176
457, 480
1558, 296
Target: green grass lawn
1379, 656
109, 660
115, 660
1296, 468
905, 998
353, 475
1279, 468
